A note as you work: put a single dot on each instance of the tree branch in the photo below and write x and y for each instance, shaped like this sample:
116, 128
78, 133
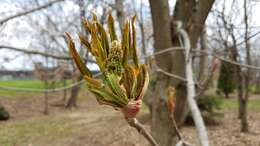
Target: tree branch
199, 123
29, 11
133, 122
33, 52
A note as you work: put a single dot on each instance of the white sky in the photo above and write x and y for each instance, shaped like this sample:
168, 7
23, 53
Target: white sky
19, 32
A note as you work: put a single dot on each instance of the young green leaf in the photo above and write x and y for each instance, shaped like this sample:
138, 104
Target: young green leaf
133, 46
111, 27
113, 83
125, 43
143, 81
104, 38
85, 42
83, 69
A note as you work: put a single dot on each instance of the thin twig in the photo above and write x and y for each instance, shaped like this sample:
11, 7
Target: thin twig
34, 52
181, 142
133, 122
175, 126
175, 76
199, 123
29, 11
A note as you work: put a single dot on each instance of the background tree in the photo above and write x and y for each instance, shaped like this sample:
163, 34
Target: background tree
226, 82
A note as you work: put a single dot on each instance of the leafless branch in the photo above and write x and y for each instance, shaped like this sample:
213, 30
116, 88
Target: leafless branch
133, 122
33, 52
29, 11
181, 142
199, 123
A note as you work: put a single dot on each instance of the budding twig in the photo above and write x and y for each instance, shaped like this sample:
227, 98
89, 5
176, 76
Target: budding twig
133, 122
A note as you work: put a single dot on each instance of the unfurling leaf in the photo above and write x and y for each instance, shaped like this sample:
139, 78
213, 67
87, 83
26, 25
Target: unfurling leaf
125, 43
133, 45
111, 27
129, 80
83, 69
93, 82
106, 97
143, 81
96, 44
113, 83
86, 24
104, 38
85, 42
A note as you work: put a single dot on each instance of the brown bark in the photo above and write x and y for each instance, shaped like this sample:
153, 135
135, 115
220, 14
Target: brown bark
46, 99
161, 122
72, 102
203, 62
243, 103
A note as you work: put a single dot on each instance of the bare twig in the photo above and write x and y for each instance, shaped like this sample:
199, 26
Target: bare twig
29, 11
214, 67
175, 76
133, 122
33, 52
199, 123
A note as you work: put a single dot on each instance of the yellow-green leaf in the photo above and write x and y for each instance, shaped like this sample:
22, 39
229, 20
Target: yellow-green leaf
87, 25
96, 44
133, 46
113, 83
85, 42
104, 38
111, 27
143, 81
83, 69
93, 82
105, 97
129, 81
125, 43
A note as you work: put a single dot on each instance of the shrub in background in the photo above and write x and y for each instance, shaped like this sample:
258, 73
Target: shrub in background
226, 83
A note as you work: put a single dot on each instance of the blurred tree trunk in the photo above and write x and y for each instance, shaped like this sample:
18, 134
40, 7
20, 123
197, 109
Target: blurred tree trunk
203, 62
161, 123
119, 5
72, 102
243, 102
46, 98
164, 38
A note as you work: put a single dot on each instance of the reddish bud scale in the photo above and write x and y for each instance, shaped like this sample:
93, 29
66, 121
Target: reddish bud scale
132, 109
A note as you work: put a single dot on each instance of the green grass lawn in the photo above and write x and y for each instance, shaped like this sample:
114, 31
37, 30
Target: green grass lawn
33, 84
253, 104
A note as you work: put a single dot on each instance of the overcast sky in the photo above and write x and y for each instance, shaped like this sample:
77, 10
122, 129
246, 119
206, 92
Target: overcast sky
20, 33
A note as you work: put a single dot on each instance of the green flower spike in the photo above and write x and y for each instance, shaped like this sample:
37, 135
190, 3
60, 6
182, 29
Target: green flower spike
124, 84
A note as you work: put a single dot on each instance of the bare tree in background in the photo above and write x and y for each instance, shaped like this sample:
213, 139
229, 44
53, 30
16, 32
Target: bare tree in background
228, 29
